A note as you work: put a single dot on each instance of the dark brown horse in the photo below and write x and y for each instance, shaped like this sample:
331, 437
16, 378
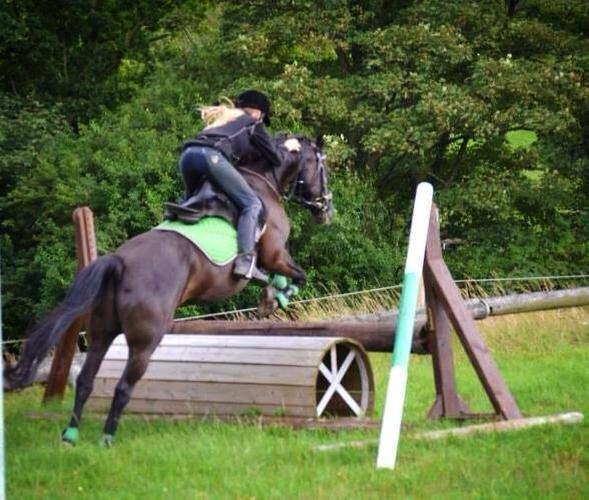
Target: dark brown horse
136, 289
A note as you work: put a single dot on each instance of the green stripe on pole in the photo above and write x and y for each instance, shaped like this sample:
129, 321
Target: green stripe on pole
405, 320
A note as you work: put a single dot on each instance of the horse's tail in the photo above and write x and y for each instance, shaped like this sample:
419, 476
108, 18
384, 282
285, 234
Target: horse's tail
82, 294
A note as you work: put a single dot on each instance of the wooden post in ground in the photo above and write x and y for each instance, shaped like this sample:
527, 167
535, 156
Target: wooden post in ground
447, 403
65, 350
447, 303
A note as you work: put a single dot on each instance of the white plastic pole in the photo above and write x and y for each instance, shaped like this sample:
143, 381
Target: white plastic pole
395, 396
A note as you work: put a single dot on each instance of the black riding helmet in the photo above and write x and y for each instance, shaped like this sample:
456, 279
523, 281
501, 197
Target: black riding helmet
254, 99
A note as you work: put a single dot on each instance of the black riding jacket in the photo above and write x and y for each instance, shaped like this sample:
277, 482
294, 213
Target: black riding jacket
242, 141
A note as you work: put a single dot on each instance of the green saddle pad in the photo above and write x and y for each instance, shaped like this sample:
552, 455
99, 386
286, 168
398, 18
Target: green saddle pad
214, 236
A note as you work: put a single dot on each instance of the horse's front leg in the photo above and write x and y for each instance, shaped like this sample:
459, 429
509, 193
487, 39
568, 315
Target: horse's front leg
278, 260
286, 266
273, 254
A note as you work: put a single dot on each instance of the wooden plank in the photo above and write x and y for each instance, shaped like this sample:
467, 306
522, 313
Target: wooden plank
218, 372
537, 301
203, 408
509, 425
250, 341
195, 354
213, 392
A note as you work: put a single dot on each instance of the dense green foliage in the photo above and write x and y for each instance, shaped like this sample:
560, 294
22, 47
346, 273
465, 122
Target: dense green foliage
95, 99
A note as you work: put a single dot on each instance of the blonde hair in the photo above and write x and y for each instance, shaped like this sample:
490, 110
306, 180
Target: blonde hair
216, 116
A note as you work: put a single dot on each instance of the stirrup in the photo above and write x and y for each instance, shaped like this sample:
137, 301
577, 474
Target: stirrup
245, 267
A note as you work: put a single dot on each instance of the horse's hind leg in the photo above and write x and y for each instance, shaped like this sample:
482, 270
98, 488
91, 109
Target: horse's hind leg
140, 352
101, 336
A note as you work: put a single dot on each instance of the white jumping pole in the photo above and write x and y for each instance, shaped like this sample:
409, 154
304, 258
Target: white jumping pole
395, 397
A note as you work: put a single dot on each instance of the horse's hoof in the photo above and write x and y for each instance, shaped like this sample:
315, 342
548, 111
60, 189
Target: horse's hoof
107, 441
70, 436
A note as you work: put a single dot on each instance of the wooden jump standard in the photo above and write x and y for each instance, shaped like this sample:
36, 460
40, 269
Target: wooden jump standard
445, 305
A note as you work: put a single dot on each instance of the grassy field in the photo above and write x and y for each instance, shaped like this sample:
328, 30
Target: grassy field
543, 357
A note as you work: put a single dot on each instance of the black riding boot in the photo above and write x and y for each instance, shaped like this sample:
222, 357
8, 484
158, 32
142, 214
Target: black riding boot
245, 267
245, 262
188, 199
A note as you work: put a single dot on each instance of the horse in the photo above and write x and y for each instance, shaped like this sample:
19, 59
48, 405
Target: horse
137, 288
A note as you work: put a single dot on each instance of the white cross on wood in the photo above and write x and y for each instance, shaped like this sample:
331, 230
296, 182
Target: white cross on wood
334, 377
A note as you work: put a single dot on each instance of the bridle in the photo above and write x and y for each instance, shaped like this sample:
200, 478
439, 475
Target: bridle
295, 193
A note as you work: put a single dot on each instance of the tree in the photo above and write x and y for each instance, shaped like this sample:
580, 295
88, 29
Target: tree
402, 91
429, 91
84, 54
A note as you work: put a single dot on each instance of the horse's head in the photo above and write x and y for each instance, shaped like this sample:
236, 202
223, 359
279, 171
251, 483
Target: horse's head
309, 185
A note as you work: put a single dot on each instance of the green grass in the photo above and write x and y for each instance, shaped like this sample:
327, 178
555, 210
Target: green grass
543, 358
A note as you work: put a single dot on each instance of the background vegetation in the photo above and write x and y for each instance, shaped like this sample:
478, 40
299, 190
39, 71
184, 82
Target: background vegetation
96, 97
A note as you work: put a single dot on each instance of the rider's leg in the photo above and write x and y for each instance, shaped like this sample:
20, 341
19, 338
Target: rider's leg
249, 205
193, 167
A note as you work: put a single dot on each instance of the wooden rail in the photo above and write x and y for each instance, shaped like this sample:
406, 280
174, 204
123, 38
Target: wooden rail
375, 331
376, 336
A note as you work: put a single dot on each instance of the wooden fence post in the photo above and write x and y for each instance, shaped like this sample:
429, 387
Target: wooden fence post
64, 351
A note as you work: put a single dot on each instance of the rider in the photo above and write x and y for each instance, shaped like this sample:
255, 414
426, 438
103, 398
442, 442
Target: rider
230, 136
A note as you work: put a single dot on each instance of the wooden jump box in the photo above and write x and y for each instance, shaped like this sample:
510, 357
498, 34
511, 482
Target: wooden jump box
246, 375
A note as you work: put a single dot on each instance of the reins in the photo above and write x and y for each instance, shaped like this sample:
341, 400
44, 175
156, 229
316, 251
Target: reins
263, 178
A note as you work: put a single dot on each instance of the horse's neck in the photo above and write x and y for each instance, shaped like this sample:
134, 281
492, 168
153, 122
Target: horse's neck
260, 182
279, 178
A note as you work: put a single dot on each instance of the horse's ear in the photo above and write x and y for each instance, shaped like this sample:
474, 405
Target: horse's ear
319, 141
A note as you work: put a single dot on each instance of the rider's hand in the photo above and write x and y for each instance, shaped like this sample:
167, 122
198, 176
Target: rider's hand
293, 145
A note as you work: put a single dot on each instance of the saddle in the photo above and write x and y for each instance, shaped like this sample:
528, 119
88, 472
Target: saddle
209, 201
